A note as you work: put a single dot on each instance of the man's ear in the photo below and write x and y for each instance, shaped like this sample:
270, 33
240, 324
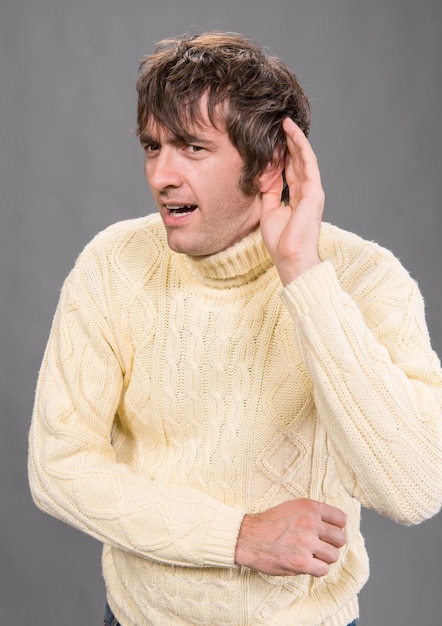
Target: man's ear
272, 174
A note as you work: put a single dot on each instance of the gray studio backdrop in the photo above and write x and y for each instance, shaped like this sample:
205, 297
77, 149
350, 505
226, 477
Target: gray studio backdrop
70, 166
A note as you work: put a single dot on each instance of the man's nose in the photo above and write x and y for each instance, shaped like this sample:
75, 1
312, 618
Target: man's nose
163, 171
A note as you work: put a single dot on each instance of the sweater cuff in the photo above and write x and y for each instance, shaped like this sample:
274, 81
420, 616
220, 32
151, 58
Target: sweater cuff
317, 285
221, 538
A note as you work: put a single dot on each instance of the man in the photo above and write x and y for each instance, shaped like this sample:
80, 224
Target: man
226, 383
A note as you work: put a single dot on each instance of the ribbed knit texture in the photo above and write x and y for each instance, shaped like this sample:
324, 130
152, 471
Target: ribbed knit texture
176, 394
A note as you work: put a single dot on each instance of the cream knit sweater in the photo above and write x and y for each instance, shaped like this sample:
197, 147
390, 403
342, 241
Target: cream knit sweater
178, 393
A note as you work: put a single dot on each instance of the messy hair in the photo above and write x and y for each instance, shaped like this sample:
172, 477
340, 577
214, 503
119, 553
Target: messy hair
248, 90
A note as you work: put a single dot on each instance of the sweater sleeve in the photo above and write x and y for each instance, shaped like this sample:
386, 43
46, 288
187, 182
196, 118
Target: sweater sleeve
73, 471
377, 385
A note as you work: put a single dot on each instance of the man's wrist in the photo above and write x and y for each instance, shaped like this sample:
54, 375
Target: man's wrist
288, 272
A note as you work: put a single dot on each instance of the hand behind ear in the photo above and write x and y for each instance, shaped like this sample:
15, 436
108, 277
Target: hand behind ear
291, 232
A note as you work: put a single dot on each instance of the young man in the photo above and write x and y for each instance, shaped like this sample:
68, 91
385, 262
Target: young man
228, 381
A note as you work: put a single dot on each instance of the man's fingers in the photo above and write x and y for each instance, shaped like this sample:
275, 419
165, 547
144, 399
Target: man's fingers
300, 153
332, 515
333, 535
327, 553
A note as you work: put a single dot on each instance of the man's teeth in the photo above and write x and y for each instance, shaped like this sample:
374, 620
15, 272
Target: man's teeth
184, 209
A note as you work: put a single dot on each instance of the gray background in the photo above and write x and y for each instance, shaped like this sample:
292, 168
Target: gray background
70, 166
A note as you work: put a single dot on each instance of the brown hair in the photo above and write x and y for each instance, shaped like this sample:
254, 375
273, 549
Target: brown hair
253, 91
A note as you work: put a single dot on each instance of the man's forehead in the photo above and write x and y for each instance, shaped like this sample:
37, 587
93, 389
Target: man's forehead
189, 122
183, 130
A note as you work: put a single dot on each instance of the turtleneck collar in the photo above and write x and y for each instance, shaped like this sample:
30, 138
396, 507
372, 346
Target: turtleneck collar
238, 265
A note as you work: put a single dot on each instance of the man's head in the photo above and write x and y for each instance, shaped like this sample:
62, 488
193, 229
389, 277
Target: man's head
247, 91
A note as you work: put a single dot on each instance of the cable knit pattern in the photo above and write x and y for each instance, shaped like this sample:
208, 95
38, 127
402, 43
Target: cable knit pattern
178, 393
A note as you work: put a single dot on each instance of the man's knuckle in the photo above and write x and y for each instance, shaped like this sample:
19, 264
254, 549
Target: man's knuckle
298, 563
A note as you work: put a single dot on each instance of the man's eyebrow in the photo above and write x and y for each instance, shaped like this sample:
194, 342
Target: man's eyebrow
188, 138
185, 138
147, 139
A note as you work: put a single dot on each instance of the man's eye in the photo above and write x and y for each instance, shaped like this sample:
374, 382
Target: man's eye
151, 147
194, 149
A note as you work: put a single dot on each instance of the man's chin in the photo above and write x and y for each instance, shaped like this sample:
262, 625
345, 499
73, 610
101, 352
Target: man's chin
188, 248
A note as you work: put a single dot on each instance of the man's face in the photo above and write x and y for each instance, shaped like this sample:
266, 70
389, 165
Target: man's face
195, 182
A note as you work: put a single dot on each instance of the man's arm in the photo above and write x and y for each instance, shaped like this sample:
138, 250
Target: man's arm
74, 473
378, 389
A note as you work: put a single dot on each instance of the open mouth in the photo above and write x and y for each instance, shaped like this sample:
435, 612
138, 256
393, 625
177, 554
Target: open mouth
179, 211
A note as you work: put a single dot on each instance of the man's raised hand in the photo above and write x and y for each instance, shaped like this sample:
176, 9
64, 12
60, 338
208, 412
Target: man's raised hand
291, 233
